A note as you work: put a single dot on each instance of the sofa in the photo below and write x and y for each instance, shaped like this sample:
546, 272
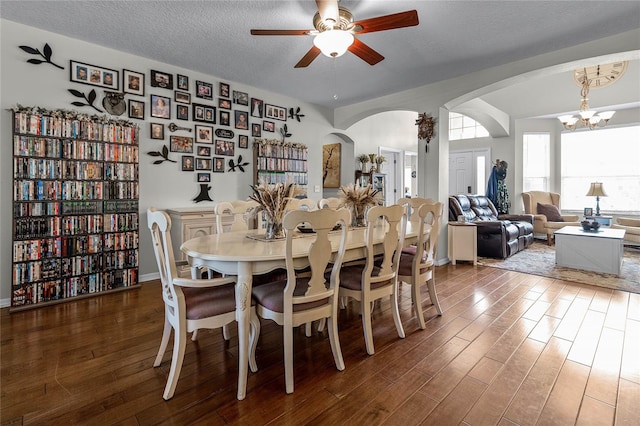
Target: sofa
632, 227
499, 236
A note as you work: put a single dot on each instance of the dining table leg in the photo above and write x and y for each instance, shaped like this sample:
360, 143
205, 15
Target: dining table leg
243, 313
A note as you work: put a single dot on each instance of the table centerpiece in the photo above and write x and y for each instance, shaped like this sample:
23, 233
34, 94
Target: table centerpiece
272, 200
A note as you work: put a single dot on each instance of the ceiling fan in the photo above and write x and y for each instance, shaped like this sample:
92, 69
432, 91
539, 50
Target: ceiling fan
335, 29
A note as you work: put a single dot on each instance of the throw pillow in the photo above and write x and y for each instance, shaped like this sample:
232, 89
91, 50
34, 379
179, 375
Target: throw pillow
550, 211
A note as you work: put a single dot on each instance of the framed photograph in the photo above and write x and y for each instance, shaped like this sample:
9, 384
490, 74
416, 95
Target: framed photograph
204, 113
157, 131
243, 141
204, 134
225, 147
225, 118
241, 120
203, 163
275, 112
136, 109
133, 82
204, 151
160, 106
256, 131
182, 97
588, 211
204, 177
256, 107
224, 90
182, 112
187, 163
224, 103
161, 79
268, 126
218, 165
182, 144
94, 75
204, 90
240, 98
183, 82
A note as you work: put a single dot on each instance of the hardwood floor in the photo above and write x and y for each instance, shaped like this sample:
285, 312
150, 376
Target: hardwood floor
509, 349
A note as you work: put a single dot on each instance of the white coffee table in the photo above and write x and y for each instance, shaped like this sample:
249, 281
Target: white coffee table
594, 251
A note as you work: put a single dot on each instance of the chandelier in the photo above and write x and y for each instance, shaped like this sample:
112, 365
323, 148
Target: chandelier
586, 117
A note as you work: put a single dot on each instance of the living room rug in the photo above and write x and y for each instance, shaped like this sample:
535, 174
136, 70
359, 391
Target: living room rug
540, 259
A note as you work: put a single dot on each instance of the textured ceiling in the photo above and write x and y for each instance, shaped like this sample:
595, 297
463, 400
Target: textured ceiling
452, 39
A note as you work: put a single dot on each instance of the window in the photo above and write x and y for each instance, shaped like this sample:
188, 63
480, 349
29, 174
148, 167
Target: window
463, 127
610, 156
536, 158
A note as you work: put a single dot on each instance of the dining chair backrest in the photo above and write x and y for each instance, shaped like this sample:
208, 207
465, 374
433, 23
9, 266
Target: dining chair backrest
394, 221
301, 204
413, 204
430, 215
159, 224
329, 203
233, 215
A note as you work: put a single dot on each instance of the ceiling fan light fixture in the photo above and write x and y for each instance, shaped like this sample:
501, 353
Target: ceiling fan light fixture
333, 43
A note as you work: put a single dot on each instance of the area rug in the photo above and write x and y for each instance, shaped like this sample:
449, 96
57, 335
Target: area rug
540, 259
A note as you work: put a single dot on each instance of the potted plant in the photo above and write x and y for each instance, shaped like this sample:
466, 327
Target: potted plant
363, 159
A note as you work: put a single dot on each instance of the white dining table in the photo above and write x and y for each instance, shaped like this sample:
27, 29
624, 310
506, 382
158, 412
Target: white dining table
236, 253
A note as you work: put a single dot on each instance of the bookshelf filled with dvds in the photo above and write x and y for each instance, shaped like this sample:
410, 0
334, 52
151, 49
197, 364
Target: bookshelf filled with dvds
75, 206
276, 161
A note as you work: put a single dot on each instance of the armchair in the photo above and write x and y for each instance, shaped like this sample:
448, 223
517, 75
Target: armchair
541, 223
632, 227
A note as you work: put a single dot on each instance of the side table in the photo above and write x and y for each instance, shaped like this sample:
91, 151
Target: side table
463, 242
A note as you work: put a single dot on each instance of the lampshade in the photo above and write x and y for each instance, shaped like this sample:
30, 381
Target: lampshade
333, 43
596, 190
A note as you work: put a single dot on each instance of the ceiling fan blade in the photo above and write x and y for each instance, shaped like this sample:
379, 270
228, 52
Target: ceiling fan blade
365, 53
388, 22
328, 9
280, 32
308, 58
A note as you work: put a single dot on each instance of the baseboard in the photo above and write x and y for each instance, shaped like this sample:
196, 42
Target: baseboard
5, 303
149, 277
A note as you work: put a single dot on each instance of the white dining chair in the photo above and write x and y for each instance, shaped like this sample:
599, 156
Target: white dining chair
234, 215
329, 203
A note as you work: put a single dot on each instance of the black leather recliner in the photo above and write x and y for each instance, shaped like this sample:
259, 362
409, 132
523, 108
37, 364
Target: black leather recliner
499, 236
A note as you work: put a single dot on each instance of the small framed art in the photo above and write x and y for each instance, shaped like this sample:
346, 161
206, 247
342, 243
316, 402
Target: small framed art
256, 107
204, 113
203, 163
241, 120
224, 118
243, 141
218, 165
240, 98
275, 112
204, 151
256, 131
224, 90
187, 163
160, 106
183, 82
268, 126
182, 97
225, 147
204, 177
224, 103
588, 211
136, 109
94, 75
133, 82
204, 90
161, 79
182, 144
156, 130
204, 134
182, 112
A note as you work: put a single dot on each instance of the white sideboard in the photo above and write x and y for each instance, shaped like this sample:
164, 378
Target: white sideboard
190, 222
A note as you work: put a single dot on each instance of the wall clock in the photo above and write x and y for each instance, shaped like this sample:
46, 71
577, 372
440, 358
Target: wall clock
601, 75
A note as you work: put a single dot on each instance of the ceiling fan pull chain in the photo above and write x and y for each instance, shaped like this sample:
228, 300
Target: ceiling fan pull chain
335, 81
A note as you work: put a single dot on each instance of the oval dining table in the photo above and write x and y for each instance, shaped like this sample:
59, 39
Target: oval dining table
245, 253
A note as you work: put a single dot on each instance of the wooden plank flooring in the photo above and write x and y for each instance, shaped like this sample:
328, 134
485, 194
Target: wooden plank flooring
509, 349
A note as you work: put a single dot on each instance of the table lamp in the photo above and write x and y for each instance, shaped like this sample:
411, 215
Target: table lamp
596, 190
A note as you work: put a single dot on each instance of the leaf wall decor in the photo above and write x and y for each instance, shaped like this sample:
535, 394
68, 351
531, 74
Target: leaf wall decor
284, 132
90, 98
295, 114
164, 153
240, 165
46, 54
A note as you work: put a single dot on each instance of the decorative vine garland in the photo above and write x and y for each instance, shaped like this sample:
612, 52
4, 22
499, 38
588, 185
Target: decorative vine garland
72, 115
263, 142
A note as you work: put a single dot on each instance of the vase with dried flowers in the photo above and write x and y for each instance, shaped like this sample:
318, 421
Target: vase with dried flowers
358, 199
272, 200
379, 160
363, 159
372, 159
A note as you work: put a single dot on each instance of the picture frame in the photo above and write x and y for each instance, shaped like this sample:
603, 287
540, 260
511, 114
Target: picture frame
331, 159
160, 106
224, 103
256, 130
204, 177
241, 120
223, 147
225, 118
257, 107
204, 90
183, 82
275, 112
182, 97
182, 144
156, 131
182, 112
588, 211
136, 109
161, 79
204, 113
203, 163
204, 134
240, 98
94, 75
133, 82
224, 90
218, 165
268, 126
243, 141
187, 163
204, 151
